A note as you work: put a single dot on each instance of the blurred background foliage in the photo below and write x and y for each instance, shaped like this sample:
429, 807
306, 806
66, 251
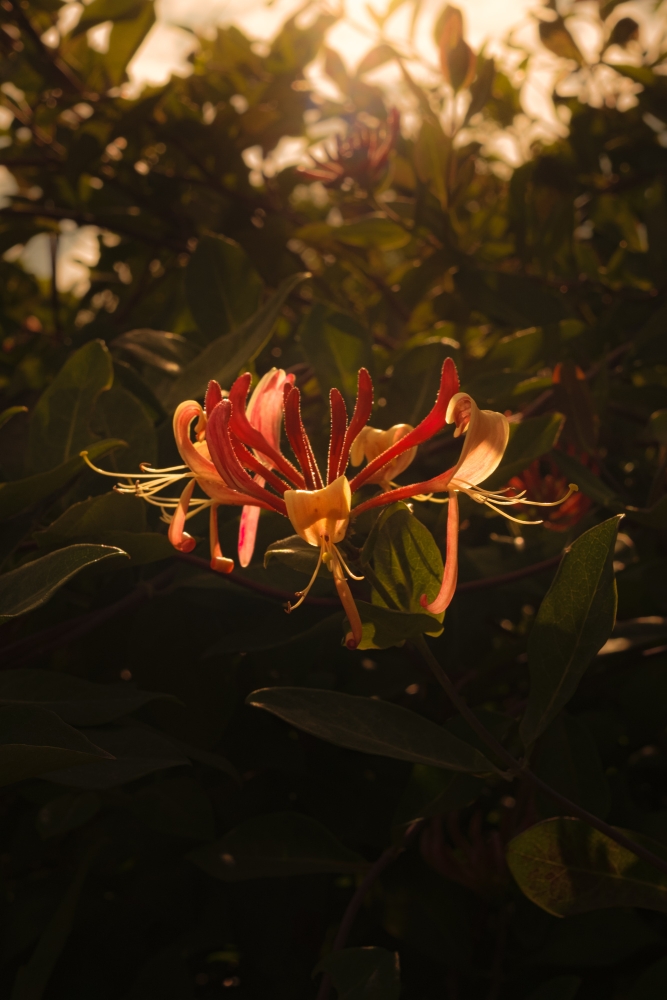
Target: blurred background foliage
149, 243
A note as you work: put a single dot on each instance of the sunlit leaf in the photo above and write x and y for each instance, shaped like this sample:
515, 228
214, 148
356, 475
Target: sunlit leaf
565, 866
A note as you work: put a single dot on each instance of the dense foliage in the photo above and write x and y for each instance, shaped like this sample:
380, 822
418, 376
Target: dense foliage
195, 783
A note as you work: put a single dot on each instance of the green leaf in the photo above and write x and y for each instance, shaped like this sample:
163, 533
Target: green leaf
31, 585
22, 494
276, 846
406, 562
363, 973
137, 751
10, 412
67, 812
431, 791
293, 552
33, 977
337, 346
569, 761
119, 414
177, 807
560, 988
574, 621
126, 37
222, 287
378, 232
651, 984
75, 700
114, 519
223, 358
383, 627
565, 867
34, 741
106, 10
528, 440
60, 423
371, 726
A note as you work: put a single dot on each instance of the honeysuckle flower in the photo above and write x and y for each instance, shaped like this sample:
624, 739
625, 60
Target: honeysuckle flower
362, 155
235, 458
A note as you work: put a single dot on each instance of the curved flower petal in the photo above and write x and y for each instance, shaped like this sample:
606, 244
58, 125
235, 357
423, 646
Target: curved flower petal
316, 514
248, 530
265, 406
194, 457
487, 434
451, 573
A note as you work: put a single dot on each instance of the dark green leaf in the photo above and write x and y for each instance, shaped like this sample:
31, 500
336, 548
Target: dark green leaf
10, 412
137, 751
35, 741
31, 585
67, 812
22, 494
374, 232
224, 357
60, 423
126, 37
77, 701
275, 846
177, 807
565, 866
651, 984
33, 977
371, 726
560, 988
119, 414
574, 621
569, 761
363, 973
337, 346
222, 286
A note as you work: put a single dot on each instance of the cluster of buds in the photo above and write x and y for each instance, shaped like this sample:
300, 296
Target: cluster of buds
360, 156
234, 455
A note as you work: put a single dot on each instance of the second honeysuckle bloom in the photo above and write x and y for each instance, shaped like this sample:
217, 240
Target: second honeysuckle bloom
371, 442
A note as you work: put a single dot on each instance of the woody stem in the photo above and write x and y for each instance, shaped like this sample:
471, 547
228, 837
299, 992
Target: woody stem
519, 769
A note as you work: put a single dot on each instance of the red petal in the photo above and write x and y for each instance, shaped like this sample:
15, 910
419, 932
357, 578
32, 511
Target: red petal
297, 437
450, 575
362, 412
213, 396
240, 426
430, 425
224, 457
436, 485
338, 429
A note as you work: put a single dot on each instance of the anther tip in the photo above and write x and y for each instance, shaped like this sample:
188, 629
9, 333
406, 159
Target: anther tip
574, 487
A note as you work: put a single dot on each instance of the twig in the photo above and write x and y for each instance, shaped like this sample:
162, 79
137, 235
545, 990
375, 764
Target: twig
17, 654
259, 588
383, 862
520, 769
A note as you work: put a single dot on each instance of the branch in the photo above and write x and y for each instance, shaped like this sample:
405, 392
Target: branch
259, 588
383, 862
522, 770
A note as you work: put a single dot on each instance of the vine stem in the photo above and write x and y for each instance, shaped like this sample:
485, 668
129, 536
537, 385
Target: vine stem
387, 858
522, 770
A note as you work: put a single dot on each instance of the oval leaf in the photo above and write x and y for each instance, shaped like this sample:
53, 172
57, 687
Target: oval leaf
30, 586
77, 701
275, 846
574, 621
565, 867
371, 726
35, 741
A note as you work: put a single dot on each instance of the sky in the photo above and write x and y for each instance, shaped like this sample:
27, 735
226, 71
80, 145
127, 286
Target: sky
167, 47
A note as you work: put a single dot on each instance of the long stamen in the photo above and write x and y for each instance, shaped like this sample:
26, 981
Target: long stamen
302, 594
346, 567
